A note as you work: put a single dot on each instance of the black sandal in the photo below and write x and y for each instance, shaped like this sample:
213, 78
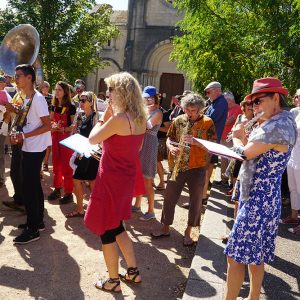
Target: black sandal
100, 284
131, 272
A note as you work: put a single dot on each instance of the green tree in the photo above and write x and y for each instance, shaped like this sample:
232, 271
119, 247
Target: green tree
71, 33
236, 42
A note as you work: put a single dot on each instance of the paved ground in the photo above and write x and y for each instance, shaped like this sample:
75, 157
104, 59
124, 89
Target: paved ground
66, 261
208, 271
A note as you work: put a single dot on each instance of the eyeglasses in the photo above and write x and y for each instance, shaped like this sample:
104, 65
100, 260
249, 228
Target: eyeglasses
83, 100
110, 89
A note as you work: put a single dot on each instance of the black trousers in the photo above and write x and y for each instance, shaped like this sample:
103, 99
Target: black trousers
32, 188
16, 173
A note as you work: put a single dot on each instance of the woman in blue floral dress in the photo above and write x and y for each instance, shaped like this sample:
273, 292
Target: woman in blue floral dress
266, 151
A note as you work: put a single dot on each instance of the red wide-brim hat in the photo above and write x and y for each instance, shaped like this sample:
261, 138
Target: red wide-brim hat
267, 85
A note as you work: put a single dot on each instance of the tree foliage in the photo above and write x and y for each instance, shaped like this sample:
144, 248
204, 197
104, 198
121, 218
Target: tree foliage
71, 33
237, 41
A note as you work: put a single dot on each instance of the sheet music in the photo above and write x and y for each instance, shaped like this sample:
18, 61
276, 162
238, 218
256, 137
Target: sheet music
80, 144
218, 149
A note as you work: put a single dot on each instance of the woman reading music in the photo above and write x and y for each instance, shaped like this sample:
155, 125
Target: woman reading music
110, 202
86, 167
267, 150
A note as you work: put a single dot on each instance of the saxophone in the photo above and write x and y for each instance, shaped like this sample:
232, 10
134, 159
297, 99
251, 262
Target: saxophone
181, 145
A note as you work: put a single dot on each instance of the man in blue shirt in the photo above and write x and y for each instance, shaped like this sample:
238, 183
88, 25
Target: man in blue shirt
217, 111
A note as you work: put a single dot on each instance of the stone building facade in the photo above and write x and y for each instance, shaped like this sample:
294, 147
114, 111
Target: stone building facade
143, 48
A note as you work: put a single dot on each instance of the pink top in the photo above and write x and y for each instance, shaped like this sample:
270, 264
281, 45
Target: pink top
233, 111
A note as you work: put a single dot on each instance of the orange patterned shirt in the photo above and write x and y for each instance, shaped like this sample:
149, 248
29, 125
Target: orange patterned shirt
193, 157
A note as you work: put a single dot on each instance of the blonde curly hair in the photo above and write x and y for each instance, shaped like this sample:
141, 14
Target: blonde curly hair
128, 95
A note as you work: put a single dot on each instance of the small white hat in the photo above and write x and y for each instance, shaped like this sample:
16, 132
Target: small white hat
212, 85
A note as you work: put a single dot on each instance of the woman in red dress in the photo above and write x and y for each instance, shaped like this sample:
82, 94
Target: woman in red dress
122, 133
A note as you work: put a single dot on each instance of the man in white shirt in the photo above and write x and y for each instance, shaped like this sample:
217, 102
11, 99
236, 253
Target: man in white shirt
35, 133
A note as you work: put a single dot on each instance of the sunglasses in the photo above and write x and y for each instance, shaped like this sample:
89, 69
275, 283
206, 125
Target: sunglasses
258, 100
83, 100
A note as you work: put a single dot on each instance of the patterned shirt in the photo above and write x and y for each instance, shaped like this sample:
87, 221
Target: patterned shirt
193, 157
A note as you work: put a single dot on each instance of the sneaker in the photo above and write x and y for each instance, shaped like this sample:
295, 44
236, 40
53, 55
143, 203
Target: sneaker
27, 236
67, 198
147, 216
135, 209
289, 220
54, 195
14, 205
41, 227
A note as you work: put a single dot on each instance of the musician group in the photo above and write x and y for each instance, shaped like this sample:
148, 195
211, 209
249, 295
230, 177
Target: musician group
36, 122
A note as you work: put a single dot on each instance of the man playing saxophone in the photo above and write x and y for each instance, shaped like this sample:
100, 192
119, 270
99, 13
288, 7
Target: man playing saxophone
190, 163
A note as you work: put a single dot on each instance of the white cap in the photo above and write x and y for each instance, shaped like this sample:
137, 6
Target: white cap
212, 85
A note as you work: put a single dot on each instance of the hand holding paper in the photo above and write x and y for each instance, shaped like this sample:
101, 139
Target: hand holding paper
218, 149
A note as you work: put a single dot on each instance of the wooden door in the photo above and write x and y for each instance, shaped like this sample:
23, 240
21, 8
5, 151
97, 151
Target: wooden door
102, 86
171, 84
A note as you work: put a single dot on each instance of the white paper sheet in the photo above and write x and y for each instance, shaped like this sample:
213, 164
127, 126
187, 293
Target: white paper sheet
218, 149
80, 144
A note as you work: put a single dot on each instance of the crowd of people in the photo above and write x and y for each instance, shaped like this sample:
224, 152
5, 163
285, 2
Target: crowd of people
136, 133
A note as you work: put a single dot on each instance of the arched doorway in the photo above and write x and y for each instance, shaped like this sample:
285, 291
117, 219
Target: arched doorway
163, 73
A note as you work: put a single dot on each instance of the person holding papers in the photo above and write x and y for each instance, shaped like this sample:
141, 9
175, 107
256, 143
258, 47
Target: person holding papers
267, 150
190, 163
62, 116
86, 167
122, 133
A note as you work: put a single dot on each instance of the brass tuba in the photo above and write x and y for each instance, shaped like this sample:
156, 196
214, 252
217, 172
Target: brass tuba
21, 46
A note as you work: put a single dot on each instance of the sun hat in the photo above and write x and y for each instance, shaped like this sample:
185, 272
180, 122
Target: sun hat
149, 91
267, 85
213, 85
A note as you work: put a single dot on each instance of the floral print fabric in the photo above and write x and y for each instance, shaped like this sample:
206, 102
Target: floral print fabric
252, 239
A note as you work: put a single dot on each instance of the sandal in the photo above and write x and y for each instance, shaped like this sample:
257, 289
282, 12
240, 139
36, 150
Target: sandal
160, 187
100, 284
75, 214
295, 230
131, 272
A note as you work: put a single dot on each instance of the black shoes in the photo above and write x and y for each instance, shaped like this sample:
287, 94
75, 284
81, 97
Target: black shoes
41, 227
14, 205
27, 236
222, 182
67, 198
54, 195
